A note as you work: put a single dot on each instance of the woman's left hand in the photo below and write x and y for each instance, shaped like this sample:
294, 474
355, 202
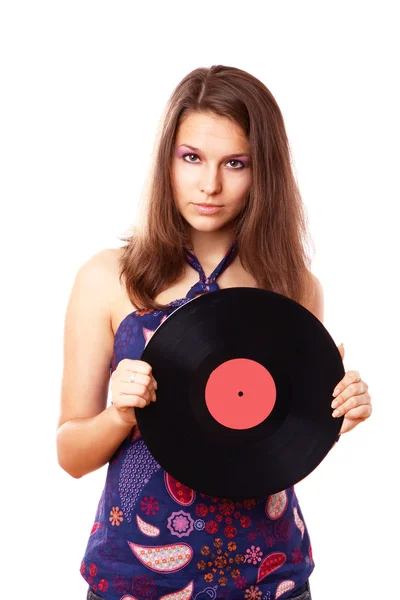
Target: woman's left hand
351, 399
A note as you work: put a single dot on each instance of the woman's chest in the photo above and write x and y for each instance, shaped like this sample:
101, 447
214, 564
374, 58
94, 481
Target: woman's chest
235, 276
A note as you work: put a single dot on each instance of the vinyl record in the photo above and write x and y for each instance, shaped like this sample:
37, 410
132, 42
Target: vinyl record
245, 379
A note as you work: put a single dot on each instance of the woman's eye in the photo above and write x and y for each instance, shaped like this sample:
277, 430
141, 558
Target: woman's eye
239, 163
234, 160
185, 155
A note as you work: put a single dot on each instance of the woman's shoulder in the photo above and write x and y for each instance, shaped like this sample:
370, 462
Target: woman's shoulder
107, 258
105, 268
101, 267
101, 272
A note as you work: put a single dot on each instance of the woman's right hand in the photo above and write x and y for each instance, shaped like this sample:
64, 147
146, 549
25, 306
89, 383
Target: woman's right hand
126, 396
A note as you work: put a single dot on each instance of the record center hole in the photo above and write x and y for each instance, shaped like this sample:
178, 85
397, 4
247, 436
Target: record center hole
240, 394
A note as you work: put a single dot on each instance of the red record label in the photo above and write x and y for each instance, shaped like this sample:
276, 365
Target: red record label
240, 393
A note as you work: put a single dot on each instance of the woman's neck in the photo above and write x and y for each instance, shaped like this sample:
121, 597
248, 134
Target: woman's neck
210, 247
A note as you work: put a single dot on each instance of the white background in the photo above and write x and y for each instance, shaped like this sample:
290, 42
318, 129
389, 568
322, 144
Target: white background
83, 85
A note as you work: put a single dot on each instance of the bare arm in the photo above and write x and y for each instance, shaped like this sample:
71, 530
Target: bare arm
88, 433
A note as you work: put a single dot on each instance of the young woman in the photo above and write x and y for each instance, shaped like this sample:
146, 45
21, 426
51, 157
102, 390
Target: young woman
223, 210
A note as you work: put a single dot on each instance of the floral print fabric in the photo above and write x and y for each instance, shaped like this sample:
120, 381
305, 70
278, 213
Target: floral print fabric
154, 538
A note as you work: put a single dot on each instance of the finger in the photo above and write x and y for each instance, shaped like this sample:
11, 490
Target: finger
351, 403
127, 367
145, 380
135, 389
360, 412
138, 366
141, 378
142, 400
353, 389
126, 401
350, 377
146, 390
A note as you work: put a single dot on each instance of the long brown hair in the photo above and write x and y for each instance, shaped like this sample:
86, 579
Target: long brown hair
271, 232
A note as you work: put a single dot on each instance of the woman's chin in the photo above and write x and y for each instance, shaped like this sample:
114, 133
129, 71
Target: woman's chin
209, 225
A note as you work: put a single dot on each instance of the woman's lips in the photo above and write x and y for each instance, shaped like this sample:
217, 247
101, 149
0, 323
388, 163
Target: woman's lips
207, 209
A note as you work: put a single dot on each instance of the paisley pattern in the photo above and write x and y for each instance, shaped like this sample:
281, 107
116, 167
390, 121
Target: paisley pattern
299, 523
284, 587
270, 563
203, 547
164, 559
95, 528
179, 492
148, 334
146, 528
276, 505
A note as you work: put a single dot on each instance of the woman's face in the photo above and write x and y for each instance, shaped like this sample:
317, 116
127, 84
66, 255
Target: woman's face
211, 166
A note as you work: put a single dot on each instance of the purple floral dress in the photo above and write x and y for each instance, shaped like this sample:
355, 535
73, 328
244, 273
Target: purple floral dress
155, 538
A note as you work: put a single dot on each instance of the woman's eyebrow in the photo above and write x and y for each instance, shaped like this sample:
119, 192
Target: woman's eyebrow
227, 156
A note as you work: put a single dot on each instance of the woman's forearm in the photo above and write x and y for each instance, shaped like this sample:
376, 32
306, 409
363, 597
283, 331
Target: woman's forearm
86, 444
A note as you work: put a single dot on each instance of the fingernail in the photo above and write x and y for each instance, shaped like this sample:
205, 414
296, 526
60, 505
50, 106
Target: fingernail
334, 404
335, 392
335, 413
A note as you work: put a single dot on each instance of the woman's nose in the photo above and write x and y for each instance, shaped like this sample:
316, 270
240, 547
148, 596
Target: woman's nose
211, 181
